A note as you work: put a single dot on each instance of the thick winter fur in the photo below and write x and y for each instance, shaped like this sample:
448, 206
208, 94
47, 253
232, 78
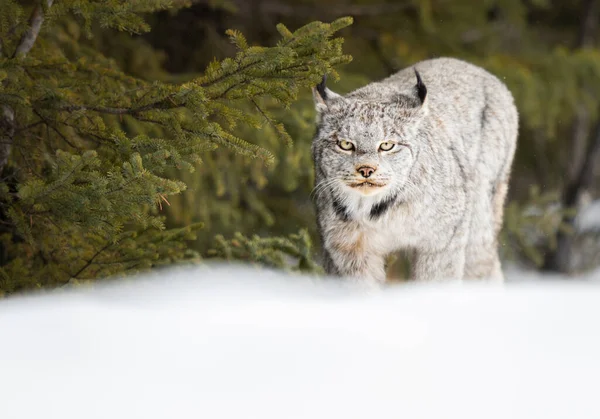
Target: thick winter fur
439, 193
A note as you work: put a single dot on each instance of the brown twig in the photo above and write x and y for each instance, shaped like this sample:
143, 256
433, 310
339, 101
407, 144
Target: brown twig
122, 111
27, 127
91, 260
55, 129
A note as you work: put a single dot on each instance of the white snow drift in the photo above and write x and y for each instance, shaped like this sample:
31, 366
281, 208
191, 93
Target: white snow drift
239, 343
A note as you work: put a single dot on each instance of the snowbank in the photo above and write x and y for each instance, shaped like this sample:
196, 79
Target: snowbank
239, 344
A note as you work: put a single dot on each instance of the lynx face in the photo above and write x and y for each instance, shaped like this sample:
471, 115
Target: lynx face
366, 148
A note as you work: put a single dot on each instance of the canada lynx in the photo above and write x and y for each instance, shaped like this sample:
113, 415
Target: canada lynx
419, 161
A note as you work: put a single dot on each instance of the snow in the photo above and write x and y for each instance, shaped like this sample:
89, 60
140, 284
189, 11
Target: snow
222, 342
588, 219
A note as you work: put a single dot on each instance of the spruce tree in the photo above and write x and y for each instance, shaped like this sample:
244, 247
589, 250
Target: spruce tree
90, 154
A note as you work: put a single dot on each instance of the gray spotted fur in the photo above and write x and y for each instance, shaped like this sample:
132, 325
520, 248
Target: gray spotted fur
445, 183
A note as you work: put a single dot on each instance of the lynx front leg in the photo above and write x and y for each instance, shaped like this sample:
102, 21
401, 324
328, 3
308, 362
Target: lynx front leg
362, 267
347, 254
439, 265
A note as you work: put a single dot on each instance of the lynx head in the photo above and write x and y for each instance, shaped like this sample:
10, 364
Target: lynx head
365, 147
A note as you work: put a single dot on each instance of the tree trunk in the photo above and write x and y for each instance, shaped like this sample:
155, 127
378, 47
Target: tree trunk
583, 155
7, 116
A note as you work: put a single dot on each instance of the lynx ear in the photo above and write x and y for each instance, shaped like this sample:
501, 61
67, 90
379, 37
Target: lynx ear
322, 95
421, 88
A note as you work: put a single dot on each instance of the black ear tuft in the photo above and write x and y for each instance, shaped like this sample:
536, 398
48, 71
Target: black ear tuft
321, 88
421, 88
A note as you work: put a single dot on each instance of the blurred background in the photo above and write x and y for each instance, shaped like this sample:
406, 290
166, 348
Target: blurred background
546, 51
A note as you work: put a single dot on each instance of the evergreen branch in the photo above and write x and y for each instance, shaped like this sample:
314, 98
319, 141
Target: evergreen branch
241, 146
28, 127
30, 166
124, 111
121, 187
241, 83
95, 138
247, 67
279, 129
232, 73
60, 182
31, 34
53, 128
91, 260
264, 115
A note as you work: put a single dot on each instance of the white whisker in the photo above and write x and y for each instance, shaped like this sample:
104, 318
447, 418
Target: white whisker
323, 186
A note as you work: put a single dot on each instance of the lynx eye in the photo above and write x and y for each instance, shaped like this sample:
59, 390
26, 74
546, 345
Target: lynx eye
345, 145
386, 146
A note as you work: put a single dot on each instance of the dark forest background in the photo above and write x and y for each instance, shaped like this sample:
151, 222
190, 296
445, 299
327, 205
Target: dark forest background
144, 133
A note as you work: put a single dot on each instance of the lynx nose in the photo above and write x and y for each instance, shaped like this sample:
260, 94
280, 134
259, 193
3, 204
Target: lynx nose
366, 171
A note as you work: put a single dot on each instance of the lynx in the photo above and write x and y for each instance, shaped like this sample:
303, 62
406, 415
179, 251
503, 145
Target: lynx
420, 162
